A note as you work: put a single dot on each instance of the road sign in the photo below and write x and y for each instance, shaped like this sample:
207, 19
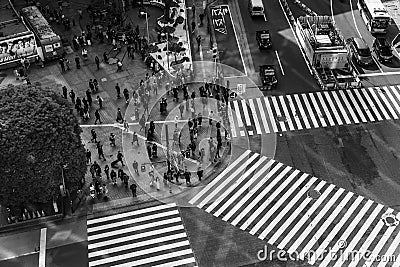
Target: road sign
241, 88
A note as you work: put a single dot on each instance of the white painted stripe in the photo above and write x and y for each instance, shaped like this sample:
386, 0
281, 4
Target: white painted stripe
360, 233
221, 186
320, 231
395, 92
131, 213
261, 207
345, 235
132, 221
238, 115
263, 117
254, 202
387, 103
279, 114
310, 111
281, 187
397, 262
314, 222
287, 207
332, 234
354, 101
255, 117
341, 108
287, 115
231, 121
294, 112
237, 183
332, 106
182, 262
153, 241
219, 177
379, 246
42, 247
271, 115
378, 115
364, 105
146, 260
394, 102
245, 112
298, 211
135, 236
302, 112
390, 252
248, 195
373, 93
134, 228
325, 108
349, 107
363, 249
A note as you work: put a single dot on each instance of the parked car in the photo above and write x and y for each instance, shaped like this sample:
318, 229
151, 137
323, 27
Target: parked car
383, 50
263, 39
359, 50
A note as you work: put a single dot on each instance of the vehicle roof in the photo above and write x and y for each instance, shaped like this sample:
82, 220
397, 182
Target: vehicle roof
262, 31
361, 44
257, 3
267, 67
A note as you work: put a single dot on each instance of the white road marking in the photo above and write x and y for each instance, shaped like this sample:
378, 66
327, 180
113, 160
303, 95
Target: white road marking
294, 112
346, 102
358, 108
377, 64
341, 108
280, 63
310, 111
302, 112
263, 117
286, 112
271, 115
255, 117
42, 247
279, 114
354, 18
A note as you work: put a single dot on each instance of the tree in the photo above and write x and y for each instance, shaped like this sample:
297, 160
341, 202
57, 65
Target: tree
39, 135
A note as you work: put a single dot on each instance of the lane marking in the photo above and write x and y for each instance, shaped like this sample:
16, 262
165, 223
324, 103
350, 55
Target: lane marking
379, 74
280, 63
377, 64
333, 17
42, 247
354, 18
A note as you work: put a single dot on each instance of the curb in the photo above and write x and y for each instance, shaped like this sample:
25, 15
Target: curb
29, 225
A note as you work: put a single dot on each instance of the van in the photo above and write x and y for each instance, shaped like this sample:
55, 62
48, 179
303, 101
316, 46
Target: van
383, 50
359, 50
256, 8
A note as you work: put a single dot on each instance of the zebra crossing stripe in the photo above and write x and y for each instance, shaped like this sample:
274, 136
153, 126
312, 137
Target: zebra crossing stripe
397, 107
341, 108
231, 121
245, 112
325, 108
373, 93
358, 108
369, 100
332, 106
255, 117
382, 95
365, 106
295, 115
347, 104
286, 112
391, 249
219, 177
264, 119
395, 92
308, 214
310, 111
303, 114
238, 115
271, 115
279, 114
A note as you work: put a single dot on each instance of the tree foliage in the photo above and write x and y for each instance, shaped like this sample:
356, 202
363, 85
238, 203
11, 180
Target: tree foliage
39, 135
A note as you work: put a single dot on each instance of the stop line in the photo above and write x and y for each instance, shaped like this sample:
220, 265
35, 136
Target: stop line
313, 110
301, 214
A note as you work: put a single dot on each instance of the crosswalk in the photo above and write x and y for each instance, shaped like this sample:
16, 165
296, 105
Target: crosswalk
301, 214
313, 110
153, 236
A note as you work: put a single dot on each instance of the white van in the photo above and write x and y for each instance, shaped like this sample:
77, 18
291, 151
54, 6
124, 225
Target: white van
256, 8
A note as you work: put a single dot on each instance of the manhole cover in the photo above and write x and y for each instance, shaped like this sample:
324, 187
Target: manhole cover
390, 220
281, 118
313, 194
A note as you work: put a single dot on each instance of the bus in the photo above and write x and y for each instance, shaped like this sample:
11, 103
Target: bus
49, 43
375, 15
17, 42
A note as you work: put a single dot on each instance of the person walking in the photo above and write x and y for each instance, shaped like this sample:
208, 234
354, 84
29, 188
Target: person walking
210, 117
142, 123
66, 62
88, 156
94, 136
77, 62
112, 139
119, 158
100, 101
181, 108
72, 96
135, 138
146, 106
105, 57
61, 62
65, 92
119, 116
97, 116
97, 60
133, 189
100, 151
126, 126
91, 85
107, 171
126, 95
135, 166
201, 17
194, 10
200, 173
113, 176
118, 89
89, 97
198, 39
125, 179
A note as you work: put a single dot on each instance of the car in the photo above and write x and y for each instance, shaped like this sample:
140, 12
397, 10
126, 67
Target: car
383, 50
359, 50
268, 77
263, 39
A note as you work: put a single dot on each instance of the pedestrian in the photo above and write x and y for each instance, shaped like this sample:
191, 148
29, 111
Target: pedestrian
201, 17
135, 138
96, 85
89, 97
146, 106
176, 122
66, 62
193, 26
97, 116
126, 95
119, 158
91, 85
198, 39
105, 57
142, 123
125, 179
119, 116
126, 126
113, 176
193, 112
118, 89
187, 176
100, 101
65, 92
202, 153
119, 65
88, 156
133, 189
100, 151
194, 10
199, 118
94, 136
200, 173
181, 108
97, 60
135, 166
77, 62
72, 96
61, 62
129, 50
107, 171
112, 139
210, 117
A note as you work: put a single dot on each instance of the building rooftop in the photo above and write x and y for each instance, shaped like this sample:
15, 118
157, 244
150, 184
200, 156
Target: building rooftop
10, 24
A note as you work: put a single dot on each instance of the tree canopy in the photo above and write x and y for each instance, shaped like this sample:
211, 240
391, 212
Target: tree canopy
39, 136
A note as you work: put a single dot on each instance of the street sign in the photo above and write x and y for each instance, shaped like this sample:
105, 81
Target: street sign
241, 88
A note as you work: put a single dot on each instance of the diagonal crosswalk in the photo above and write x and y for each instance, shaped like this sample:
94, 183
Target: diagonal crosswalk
301, 214
153, 236
313, 110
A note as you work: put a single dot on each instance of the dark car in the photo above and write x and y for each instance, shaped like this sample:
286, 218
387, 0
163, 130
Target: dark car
263, 39
383, 50
268, 77
359, 50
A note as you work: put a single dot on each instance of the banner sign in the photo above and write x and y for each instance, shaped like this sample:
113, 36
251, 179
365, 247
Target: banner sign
17, 48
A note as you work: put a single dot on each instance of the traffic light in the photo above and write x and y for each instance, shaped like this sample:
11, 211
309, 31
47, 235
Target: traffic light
214, 52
